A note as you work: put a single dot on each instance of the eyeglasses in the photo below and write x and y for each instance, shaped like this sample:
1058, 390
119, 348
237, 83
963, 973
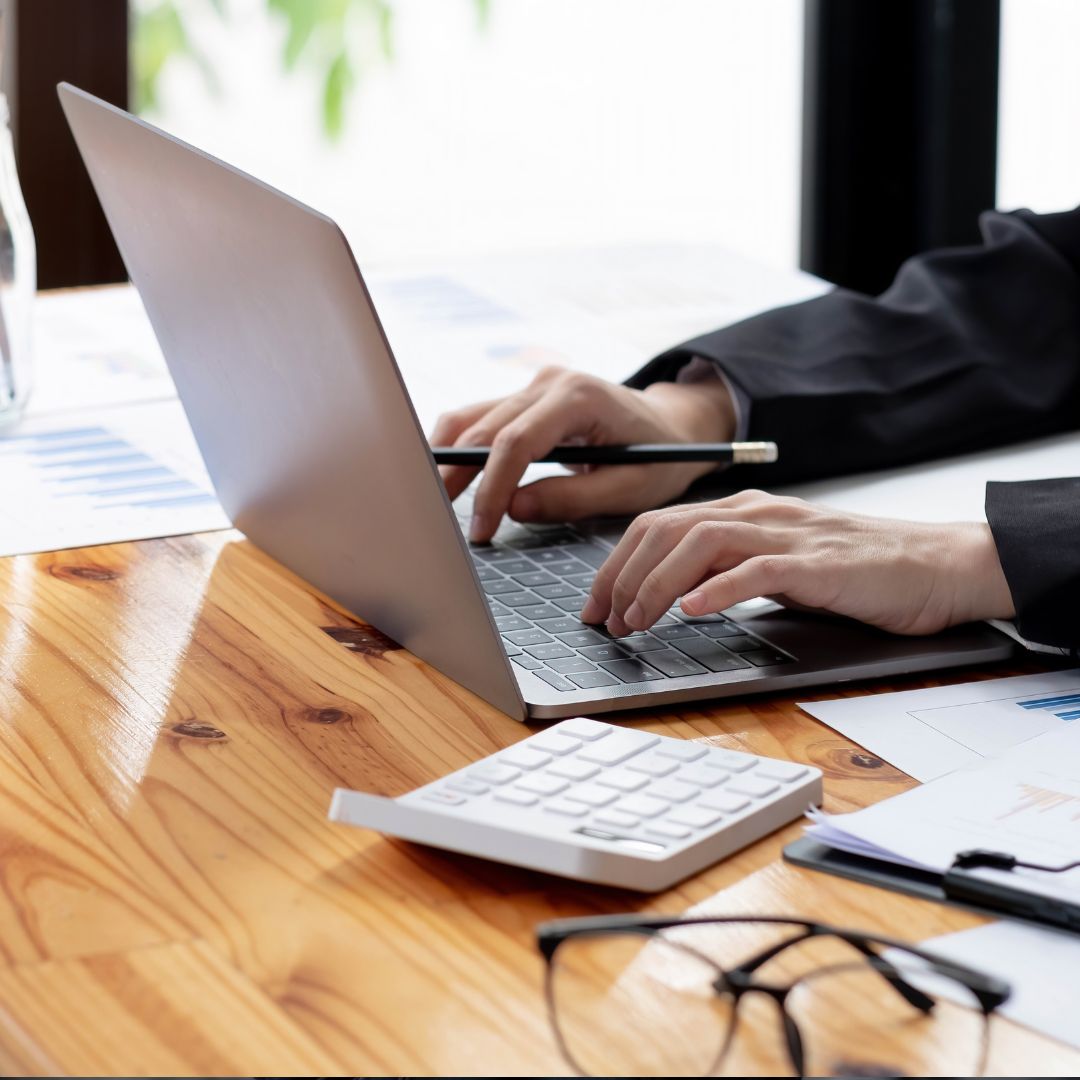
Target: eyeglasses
633, 996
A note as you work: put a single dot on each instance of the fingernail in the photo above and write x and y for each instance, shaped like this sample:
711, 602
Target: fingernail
592, 612
525, 506
694, 603
478, 528
635, 616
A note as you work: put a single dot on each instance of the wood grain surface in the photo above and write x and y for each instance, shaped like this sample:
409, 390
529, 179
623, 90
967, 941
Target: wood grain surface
174, 715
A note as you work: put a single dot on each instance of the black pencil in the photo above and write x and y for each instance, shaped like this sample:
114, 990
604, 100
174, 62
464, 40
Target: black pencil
741, 453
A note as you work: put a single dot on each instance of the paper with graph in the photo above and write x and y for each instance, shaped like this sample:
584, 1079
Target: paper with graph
928, 733
1026, 802
102, 475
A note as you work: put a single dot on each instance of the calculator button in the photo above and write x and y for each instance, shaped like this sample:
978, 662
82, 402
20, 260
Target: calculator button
554, 742
731, 761
468, 787
573, 770
522, 757
697, 817
519, 798
616, 818
618, 747
665, 828
653, 765
721, 800
492, 773
643, 806
444, 797
623, 780
681, 751
581, 728
781, 770
592, 795
553, 679
749, 785
673, 790
589, 679
567, 809
541, 784
701, 776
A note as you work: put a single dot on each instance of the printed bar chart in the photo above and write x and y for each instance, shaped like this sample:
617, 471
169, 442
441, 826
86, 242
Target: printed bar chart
134, 473
1063, 706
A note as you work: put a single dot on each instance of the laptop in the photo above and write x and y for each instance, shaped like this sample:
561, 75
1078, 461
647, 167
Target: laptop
308, 433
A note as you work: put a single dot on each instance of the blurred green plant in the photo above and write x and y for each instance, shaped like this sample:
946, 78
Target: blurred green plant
335, 38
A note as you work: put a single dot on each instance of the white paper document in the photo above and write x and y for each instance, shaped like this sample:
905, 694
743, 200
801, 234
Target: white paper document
928, 733
97, 476
1040, 965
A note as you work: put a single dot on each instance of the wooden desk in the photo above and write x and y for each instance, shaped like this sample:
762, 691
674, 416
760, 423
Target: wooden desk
173, 717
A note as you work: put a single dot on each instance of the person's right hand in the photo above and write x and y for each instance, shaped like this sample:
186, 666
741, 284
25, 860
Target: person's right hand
560, 407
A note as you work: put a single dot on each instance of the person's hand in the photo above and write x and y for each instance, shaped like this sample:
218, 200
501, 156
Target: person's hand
561, 406
901, 576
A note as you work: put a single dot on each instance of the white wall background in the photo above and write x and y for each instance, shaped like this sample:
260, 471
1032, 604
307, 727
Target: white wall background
562, 122
1039, 146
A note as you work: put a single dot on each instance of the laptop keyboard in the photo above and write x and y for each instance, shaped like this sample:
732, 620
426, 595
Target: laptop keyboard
536, 584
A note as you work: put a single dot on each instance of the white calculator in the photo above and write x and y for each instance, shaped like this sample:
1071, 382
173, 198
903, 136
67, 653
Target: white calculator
599, 803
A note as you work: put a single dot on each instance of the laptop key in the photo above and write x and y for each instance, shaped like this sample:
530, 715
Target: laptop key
536, 612
674, 664
553, 678
588, 680
505, 623
571, 663
565, 624
548, 652
578, 639
550, 592
676, 630
487, 573
591, 554
516, 566
580, 581
501, 585
518, 599
536, 577
498, 610
570, 603
605, 652
527, 662
707, 652
531, 636
493, 554
632, 671
744, 643
640, 643
721, 629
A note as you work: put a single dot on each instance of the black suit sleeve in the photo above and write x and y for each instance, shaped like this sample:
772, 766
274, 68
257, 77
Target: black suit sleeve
969, 348
1036, 527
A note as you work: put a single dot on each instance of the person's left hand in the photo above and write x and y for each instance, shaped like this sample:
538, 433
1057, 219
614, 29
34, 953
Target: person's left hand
902, 576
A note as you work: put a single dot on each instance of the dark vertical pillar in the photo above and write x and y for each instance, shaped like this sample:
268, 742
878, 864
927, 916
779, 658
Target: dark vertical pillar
899, 132
85, 43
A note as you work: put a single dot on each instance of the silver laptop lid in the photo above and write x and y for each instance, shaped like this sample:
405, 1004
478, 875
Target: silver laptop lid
292, 391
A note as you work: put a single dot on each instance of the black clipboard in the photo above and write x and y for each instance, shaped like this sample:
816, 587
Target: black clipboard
957, 887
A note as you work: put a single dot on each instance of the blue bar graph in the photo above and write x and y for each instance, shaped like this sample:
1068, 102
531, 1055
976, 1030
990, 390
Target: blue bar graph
1064, 706
94, 463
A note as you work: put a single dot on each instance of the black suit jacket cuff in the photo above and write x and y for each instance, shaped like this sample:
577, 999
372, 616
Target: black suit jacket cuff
1036, 527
